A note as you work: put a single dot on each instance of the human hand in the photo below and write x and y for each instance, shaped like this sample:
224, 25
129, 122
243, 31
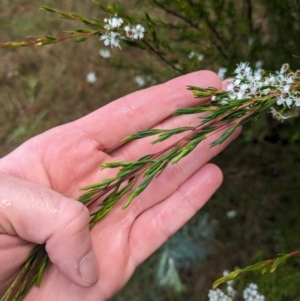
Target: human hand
41, 177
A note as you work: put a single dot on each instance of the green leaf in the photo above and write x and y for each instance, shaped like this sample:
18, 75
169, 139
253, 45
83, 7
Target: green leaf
51, 38
194, 110
183, 152
225, 135
142, 134
202, 92
167, 134
229, 277
49, 9
139, 190
81, 39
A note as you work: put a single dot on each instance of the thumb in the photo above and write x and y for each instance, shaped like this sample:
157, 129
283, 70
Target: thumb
40, 215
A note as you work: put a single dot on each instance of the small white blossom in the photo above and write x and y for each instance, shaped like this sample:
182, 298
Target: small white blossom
285, 97
113, 22
91, 77
259, 64
138, 32
193, 54
128, 30
242, 70
105, 38
284, 68
257, 76
140, 81
221, 73
105, 53
297, 98
250, 41
231, 214
200, 57
111, 38
115, 39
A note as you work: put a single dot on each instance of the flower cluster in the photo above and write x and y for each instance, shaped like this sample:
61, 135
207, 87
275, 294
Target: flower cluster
112, 34
218, 295
256, 84
250, 293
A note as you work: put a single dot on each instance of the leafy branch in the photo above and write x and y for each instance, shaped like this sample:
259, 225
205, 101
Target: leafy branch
79, 35
263, 267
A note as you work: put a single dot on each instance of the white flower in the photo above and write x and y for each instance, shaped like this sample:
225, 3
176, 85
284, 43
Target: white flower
200, 57
284, 68
231, 214
250, 41
105, 38
111, 38
140, 81
270, 81
221, 73
135, 32
259, 64
251, 293
105, 53
91, 77
257, 74
193, 54
128, 31
218, 295
297, 102
115, 39
284, 98
138, 32
242, 70
115, 22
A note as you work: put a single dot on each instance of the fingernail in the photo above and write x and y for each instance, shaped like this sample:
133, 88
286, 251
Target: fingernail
88, 269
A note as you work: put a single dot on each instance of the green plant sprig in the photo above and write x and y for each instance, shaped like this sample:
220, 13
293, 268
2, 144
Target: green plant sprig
78, 35
224, 113
263, 267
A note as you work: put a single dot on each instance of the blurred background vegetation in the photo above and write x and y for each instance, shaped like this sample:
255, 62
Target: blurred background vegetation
255, 214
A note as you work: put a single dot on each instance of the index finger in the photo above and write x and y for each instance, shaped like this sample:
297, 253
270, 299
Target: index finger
143, 109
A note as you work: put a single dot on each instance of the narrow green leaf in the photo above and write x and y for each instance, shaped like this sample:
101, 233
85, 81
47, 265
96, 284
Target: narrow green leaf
183, 152
81, 39
98, 185
225, 135
194, 110
49, 9
142, 134
202, 92
51, 38
138, 190
229, 277
115, 164
169, 133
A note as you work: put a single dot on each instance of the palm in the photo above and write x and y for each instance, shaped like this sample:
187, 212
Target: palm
68, 157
